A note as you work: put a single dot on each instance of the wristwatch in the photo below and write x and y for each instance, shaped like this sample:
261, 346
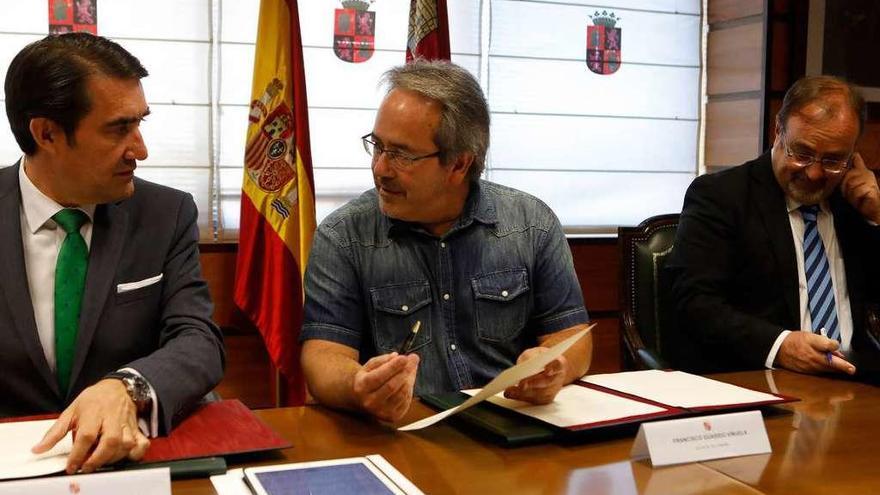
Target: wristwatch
137, 388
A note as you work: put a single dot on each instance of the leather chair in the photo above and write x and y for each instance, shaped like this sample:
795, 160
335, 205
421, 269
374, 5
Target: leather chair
647, 312
866, 354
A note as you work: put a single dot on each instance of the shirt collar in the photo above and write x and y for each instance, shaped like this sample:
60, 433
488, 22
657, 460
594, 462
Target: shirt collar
479, 206
39, 208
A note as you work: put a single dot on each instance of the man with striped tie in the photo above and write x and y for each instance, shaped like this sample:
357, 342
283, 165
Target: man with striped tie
775, 262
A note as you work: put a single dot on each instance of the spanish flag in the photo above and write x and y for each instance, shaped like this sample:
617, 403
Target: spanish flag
428, 35
278, 197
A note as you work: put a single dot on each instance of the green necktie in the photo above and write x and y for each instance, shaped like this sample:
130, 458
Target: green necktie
70, 279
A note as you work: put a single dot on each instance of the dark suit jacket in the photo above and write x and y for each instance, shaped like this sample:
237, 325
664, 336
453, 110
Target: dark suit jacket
734, 270
164, 330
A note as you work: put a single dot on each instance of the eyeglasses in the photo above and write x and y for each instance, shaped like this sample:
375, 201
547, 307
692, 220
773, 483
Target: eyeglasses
398, 159
804, 160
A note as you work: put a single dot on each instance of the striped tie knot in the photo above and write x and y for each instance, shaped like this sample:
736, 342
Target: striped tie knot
70, 219
809, 212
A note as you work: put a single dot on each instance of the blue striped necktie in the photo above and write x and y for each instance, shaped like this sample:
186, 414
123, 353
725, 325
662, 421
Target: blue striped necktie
820, 288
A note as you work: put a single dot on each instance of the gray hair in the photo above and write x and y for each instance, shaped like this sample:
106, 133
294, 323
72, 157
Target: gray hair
464, 121
811, 89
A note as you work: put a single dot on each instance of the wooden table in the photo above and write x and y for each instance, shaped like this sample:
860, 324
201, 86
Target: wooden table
827, 443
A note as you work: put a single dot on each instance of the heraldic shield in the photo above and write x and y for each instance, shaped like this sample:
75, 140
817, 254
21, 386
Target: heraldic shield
603, 44
269, 157
354, 31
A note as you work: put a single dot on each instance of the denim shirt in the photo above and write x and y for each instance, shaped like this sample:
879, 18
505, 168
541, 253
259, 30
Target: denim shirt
484, 292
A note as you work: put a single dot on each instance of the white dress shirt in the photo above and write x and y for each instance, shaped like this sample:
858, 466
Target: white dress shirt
825, 224
41, 239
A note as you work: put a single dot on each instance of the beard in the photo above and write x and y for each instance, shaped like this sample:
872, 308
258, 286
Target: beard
807, 192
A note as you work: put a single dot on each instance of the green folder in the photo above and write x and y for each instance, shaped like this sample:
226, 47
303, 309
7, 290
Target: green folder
498, 424
201, 467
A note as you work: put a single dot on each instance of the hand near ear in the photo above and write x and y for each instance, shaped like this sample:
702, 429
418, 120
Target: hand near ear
861, 190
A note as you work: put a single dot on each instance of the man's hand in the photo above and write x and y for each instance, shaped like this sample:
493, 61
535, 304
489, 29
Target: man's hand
103, 417
384, 385
860, 188
810, 353
543, 387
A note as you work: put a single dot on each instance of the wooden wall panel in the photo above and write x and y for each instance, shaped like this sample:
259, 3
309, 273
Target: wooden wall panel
606, 346
780, 50
735, 58
774, 104
732, 131
218, 268
728, 10
248, 375
596, 265
869, 144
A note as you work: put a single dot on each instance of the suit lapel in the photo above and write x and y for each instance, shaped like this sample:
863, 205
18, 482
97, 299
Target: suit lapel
846, 227
108, 239
770, 201
13, 274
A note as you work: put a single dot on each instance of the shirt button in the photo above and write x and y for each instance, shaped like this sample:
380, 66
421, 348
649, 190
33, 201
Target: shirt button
446, 297
404, 308
504, 293
452, 347
443, 244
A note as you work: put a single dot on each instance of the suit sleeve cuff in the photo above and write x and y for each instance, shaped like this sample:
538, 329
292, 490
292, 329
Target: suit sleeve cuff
150, 428
771, 356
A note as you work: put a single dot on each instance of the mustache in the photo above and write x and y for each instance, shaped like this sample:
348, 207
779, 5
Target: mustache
388, 184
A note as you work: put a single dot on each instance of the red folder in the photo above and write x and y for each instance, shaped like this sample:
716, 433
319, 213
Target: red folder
670, 412
216, 429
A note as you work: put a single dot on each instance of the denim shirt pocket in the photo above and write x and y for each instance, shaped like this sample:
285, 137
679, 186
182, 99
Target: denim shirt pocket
396, 308
501, 303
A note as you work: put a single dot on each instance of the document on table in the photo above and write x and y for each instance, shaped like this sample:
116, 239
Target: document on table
678, 389
137, 482
575, 405
16, 459
509, 377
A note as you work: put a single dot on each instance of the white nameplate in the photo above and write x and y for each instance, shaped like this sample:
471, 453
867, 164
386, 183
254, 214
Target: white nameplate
702, 438
136, 482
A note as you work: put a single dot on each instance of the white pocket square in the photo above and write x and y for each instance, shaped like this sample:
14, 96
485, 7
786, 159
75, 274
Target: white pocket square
130, 286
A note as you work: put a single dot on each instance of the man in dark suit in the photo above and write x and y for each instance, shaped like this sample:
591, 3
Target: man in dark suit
775, 261
104, 315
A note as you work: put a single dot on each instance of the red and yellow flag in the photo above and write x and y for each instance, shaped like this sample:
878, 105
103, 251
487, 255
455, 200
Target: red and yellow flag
278, 198
428, 30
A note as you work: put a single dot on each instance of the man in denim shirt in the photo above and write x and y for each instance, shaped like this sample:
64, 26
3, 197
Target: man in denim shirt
485, 269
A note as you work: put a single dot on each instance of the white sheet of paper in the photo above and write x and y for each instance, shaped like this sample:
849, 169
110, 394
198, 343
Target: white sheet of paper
16, 459
231, 483
577, 405
136, 482
396, 476
509, 377
677, 388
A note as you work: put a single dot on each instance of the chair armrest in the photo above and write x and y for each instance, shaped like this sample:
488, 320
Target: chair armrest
651, 360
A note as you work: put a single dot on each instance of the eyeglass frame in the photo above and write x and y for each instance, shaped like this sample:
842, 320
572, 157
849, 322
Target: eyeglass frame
394, 157
844, 164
